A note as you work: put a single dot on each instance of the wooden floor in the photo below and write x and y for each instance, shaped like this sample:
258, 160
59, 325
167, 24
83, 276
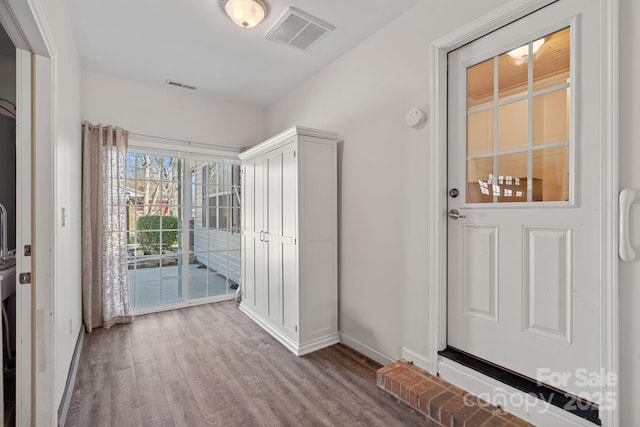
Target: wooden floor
210, 365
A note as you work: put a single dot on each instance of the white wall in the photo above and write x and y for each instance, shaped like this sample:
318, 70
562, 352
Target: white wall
168, 112
630, 177
67, 161
384, 209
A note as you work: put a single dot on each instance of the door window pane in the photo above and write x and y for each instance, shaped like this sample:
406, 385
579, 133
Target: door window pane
551, 168
480, 84
480, 180
551, 117
225, 219
552, 63
480, 133
513, 126
197, 284
512, 77
171, 290
512, 178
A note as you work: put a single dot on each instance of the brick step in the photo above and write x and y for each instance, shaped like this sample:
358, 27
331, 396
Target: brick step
442, 403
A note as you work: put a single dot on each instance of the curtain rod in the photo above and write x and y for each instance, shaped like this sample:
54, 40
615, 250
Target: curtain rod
152, 138
163, 140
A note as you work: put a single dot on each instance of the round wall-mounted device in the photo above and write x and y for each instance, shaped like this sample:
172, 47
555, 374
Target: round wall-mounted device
415, 116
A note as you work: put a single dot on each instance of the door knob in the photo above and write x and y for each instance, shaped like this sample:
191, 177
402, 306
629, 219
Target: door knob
455, 214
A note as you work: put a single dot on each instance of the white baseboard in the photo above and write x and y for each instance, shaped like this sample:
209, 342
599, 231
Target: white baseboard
416, 358
520, 404
299, 349
366, 350
63, 409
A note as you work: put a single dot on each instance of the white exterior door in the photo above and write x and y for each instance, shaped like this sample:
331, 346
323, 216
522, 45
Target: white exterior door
525, 203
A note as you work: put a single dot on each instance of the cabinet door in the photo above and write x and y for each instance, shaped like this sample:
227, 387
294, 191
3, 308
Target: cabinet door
288, 240
273, 211
281, 226
253, 250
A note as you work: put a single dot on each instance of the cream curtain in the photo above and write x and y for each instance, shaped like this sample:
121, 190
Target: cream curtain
105, 287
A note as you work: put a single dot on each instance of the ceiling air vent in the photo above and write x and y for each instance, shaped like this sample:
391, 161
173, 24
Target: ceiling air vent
178, 84
298, 29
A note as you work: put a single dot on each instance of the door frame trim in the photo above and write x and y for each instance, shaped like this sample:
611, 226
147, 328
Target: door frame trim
503, 15
25, 23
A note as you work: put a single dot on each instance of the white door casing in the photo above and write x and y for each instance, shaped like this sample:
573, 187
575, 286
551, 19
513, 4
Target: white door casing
35, 71
603, 122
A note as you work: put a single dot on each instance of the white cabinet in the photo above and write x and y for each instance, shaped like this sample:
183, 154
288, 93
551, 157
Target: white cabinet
289, 238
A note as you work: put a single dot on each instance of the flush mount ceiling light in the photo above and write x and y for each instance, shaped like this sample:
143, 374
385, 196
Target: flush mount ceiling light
245, 13
523, 51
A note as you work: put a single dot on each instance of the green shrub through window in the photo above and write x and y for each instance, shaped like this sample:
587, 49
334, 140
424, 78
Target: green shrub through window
152, 227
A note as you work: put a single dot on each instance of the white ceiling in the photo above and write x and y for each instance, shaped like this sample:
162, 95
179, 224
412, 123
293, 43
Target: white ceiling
194, 42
